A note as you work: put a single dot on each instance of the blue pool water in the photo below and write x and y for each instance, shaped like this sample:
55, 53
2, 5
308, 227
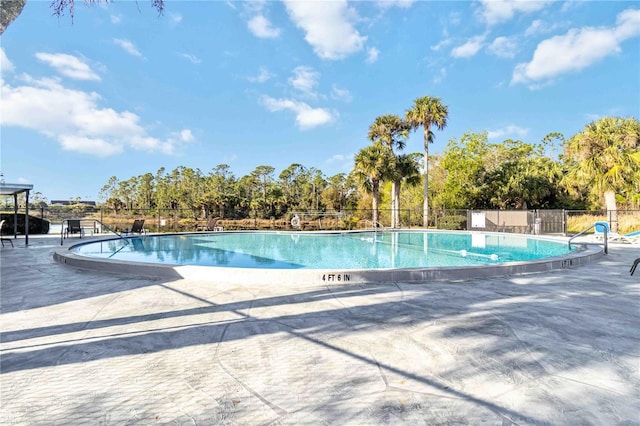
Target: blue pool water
345, 250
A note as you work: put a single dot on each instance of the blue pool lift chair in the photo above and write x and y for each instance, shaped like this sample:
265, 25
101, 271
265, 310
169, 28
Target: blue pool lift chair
601, 227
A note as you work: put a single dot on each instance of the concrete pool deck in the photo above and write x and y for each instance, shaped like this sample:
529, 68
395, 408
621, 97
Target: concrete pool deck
87, 347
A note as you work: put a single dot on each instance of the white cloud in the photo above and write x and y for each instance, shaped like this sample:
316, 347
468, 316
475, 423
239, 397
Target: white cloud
192, 58
493, 12
263, 76
577, 49
89, 145
510, 130
175, 18
305, 79
372, 55
441, 75
128, 47
388, 4
470, 48
115, 19
229, 158
262, 27
76, 120
186, 135
454, 19
534, 28
628, 24
5, 64
503, 47
539, 27
306, 116
343, 161
328, 27
68, 65
341, 94
338, 158
443, 43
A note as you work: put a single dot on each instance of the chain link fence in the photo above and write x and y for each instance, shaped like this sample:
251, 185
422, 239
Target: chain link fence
49, 219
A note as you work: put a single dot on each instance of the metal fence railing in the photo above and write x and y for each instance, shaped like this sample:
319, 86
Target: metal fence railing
543, 222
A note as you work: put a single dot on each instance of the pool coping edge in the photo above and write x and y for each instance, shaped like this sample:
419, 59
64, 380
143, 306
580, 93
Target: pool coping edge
584, 254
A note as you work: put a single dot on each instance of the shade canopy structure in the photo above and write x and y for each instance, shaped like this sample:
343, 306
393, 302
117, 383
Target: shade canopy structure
15, 189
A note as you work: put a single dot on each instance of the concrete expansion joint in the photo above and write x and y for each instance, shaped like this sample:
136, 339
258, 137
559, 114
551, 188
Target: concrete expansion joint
88, 347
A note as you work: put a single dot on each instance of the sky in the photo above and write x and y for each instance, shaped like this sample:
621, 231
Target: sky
121, 91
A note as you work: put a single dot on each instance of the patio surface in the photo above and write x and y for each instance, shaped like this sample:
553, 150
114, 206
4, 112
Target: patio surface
83, 347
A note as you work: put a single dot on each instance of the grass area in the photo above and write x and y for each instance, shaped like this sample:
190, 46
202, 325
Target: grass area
627, 222
153, 224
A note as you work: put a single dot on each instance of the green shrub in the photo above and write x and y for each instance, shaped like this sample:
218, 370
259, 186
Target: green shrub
453, 223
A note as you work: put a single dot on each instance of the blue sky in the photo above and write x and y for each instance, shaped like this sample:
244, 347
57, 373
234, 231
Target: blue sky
121, 91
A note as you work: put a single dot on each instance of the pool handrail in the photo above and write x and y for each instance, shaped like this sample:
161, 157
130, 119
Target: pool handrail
102, 226
373, 224
605, 239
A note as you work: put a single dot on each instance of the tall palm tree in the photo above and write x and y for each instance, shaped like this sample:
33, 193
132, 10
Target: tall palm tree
606, 157
371, 166
407, 169
427, 112
391, 131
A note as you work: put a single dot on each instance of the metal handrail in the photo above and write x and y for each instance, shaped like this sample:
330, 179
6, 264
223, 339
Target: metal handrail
373, 224
605, 242
102, 226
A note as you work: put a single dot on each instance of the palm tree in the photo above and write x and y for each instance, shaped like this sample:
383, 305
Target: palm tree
606, 157
371, 165
426, 112
407, 169
391, 131
10, 10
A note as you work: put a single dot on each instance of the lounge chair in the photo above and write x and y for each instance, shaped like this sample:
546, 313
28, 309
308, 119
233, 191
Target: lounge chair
2, 240
136, 228
633, 237
73, 227
211, 225
613, 237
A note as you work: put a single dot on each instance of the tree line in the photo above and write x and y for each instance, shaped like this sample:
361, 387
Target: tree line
219, 192
599, 163
597, 167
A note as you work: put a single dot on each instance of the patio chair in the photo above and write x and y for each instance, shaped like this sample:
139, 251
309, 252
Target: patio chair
2, 240
632, 237
613, 237
136, 228
211, 225
73, 227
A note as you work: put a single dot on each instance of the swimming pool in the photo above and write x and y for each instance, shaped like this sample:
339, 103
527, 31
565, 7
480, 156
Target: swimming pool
330, 256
